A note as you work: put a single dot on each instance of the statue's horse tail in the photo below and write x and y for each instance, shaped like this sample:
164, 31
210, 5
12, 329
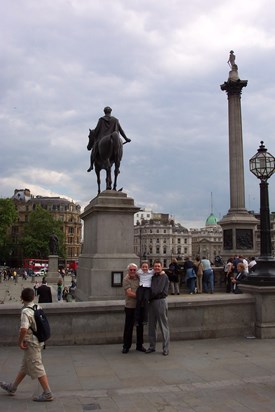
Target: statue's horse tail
117, 147
117, 155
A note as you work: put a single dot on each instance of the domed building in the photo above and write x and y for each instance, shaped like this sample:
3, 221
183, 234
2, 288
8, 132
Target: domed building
211, 220
207, 241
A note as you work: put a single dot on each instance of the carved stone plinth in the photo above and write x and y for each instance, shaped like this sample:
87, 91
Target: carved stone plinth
108, 246
53, 274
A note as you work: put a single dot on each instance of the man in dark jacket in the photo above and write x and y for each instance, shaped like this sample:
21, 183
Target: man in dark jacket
44, 293
158, 310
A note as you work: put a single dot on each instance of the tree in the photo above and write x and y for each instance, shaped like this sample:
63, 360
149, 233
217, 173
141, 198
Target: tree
8, 215
37, 234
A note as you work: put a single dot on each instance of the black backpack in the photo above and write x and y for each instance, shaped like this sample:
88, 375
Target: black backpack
43, 331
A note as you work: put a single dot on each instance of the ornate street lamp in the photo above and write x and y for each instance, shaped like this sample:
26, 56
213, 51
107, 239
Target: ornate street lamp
262, 165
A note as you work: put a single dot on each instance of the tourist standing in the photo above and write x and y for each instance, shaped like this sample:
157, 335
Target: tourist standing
44, 293
199, 273
130, 285
158, 309
173, 276
208, 275
190, 275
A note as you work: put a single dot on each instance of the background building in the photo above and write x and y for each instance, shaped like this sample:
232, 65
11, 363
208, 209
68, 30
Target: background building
157, 236
62, 209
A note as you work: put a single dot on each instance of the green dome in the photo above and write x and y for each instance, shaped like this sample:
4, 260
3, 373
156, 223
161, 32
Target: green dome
211, 220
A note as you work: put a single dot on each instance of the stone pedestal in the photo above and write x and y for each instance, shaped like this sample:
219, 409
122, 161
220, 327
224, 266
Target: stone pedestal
239, 234
108, 246
53, 274
265, 309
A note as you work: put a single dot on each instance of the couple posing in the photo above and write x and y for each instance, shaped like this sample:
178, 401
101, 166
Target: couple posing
145, 285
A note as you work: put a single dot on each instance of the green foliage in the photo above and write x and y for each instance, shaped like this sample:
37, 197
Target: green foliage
37, 234
8, 215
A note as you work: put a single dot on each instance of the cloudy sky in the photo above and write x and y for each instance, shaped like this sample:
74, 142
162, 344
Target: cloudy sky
159, 64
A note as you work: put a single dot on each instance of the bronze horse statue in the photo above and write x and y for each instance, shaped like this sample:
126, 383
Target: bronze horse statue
106, 152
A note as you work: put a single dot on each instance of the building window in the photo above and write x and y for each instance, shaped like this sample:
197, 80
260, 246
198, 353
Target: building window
179, 240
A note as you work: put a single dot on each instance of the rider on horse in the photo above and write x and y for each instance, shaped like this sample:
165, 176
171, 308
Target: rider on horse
106, 126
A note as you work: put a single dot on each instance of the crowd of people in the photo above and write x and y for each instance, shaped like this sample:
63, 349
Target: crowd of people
198, 275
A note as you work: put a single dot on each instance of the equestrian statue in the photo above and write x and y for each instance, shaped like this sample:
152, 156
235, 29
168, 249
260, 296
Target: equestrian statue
106, 148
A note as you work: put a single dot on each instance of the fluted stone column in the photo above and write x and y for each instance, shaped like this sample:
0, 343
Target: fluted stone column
239, 226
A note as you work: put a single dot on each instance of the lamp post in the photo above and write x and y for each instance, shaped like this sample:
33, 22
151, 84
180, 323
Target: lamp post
262, 165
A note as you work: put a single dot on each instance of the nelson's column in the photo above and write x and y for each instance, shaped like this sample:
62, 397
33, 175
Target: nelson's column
239, 226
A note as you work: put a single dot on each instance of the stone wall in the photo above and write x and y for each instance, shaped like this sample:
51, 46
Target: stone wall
101, 322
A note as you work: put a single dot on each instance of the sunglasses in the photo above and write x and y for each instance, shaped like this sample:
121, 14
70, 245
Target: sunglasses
132, 270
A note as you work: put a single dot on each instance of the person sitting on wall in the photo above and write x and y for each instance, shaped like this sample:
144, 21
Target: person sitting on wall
241, 275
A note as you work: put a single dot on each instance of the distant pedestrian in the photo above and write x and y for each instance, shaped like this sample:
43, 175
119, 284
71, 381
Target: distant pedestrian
252, 264
32, 360
35, 287
173, 276
59, 289
229, 270
241, 275
190, 276
44, 293
199, 273
208, 275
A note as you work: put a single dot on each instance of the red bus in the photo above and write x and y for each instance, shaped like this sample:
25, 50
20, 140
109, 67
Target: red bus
34, 265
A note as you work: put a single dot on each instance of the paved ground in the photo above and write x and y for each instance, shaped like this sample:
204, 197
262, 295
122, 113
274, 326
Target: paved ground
221, 375
10, 291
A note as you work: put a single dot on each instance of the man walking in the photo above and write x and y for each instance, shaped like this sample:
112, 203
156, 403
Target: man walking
158, 309
32, 360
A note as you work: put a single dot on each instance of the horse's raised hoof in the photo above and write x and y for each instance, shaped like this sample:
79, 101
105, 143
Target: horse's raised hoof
90, 169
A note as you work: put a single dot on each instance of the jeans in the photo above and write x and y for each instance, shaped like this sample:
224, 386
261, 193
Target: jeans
208, 280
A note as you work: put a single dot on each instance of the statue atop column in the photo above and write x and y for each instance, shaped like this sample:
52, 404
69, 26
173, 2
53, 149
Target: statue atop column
233, 74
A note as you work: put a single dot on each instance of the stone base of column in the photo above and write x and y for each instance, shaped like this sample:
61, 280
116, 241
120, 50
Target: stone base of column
239, 233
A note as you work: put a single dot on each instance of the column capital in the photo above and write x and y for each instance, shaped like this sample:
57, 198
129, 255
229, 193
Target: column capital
233, 87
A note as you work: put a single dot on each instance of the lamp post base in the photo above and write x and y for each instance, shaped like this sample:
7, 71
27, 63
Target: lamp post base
264, 274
